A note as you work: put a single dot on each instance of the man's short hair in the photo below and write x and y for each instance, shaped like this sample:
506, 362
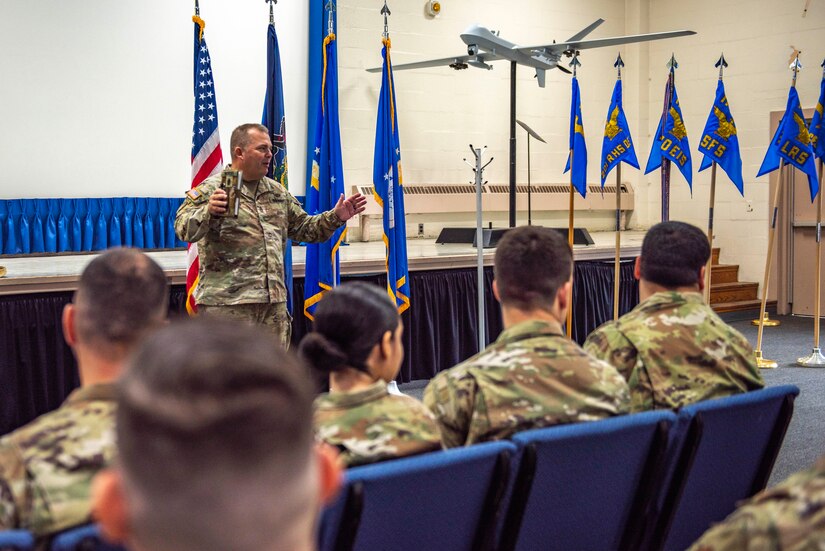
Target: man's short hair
531, 264
240, 136
122, 294
673, 253
214, 433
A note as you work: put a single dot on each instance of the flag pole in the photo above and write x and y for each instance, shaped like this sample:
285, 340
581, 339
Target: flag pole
666, 163
617, 272
709, 267
570, 230
760, 361
816, 359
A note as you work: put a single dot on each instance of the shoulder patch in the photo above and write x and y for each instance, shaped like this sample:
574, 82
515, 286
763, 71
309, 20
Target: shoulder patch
193, 194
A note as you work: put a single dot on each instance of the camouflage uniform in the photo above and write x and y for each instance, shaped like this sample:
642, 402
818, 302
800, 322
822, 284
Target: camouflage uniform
372, 425
242, 259
674, 350
47, 466
532, 376
788, 517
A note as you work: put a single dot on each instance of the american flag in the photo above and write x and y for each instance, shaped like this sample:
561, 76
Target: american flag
206, 143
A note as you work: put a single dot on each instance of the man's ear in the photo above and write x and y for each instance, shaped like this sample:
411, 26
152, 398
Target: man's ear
563, 296
331, 472
702, 272
109, 507
68, 321
386, 344
637, 268
495, 291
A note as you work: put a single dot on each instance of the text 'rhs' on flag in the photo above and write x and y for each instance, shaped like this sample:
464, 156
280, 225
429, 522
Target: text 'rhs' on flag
617, 145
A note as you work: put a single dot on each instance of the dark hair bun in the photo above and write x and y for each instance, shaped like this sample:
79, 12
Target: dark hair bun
322, 354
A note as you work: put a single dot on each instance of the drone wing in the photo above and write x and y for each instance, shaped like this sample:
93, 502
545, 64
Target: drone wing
573, 45
456, 62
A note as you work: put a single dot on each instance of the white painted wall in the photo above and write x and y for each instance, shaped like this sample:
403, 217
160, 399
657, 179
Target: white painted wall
96, 95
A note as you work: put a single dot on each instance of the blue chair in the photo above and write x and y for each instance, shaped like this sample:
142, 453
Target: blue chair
16, 540
82, 538
440, 500
729, 450
585, 486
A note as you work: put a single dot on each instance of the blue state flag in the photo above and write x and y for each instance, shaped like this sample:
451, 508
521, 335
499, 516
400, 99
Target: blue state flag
617, 145
274, 119
720, 142
326, 184
817, 129
792, 143
389, 189
578, 149
671, 142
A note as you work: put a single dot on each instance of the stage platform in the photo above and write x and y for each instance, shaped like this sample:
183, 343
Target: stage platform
40, 274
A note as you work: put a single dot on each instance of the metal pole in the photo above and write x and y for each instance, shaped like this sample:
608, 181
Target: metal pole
817, 359
617, 272
529, 186
570, 242
513, 66
480, 253
760, 361
708, 267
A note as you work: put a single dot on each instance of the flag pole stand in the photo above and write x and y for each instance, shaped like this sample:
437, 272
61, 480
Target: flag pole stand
762, 362
816, 358
617, 272
709, 266
478, 171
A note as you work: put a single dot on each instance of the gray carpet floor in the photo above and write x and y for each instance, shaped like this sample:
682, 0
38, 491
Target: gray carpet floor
805, 440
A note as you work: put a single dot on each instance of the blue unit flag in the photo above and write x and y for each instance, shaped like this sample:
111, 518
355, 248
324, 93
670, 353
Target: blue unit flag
720, 142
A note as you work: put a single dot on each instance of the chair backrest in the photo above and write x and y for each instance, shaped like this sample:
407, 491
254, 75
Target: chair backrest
82, 538
16, 540
440, 500
728, 454
585, 486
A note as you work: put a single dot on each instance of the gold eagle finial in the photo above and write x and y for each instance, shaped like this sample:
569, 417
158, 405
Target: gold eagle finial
678, 129
803, 136
612, 127
726, 128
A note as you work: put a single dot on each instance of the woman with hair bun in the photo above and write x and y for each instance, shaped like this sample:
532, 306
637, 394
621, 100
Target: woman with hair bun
356, 339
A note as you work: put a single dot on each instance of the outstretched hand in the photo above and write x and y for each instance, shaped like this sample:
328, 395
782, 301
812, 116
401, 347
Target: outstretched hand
349, 207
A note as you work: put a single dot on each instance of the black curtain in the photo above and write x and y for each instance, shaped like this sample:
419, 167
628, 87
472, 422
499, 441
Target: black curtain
38, 370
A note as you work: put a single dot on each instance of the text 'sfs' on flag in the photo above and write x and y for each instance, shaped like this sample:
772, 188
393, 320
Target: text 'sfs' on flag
274, 118
792, 142
389, 190
617, 145
326, 184
578, 148
720, 142
206, 143
671, 141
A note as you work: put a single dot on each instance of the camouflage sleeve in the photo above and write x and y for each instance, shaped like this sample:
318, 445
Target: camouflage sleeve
193, 219
310, 229
740, 532
451, 400
608, 344
13, 490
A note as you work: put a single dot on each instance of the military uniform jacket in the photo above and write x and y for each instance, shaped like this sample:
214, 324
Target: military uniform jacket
532, 376
242, 259
674, 350
47, 466
371, 425
788, 517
